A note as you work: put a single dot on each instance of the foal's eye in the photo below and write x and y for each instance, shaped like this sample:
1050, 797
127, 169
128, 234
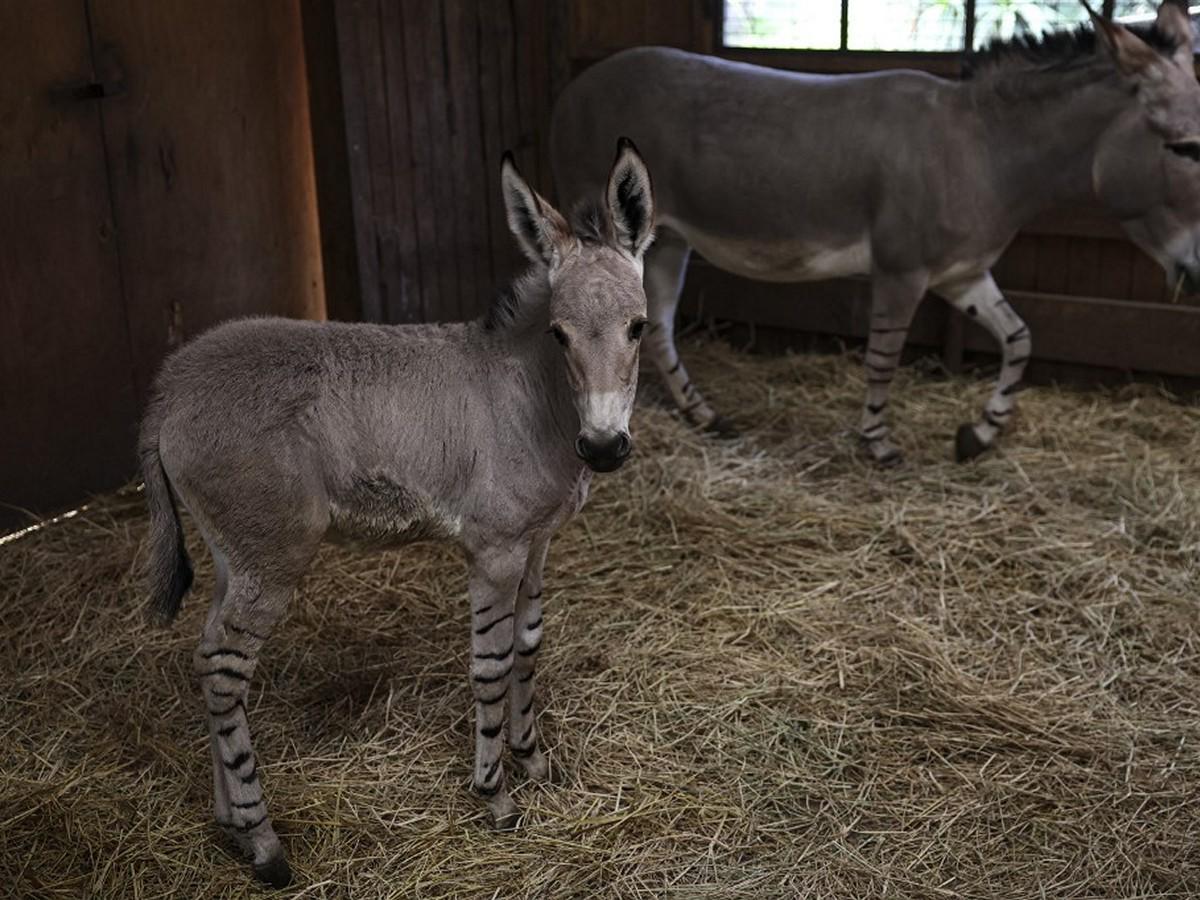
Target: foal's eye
559, 335
1187, 149
636, 329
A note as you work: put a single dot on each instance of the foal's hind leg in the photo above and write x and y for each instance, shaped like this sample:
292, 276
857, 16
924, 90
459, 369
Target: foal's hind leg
494, 580
666, 262
894, 299
527, 625
236, 629
981, 299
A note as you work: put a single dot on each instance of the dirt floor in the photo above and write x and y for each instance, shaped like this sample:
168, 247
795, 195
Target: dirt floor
770, 670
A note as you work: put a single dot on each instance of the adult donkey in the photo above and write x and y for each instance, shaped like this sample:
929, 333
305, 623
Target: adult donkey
274, 434
914, 180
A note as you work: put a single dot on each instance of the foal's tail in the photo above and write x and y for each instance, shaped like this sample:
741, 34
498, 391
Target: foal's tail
169, 569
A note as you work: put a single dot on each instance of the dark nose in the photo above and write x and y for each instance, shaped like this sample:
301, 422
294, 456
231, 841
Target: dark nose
604, 454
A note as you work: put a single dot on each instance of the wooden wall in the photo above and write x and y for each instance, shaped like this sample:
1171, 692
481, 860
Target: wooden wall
416, 84
434, 92
156, 177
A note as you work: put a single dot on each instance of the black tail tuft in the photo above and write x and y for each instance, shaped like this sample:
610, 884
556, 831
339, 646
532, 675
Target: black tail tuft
170, 570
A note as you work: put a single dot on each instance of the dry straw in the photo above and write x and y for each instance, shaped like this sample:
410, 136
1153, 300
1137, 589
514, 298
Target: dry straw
770, 670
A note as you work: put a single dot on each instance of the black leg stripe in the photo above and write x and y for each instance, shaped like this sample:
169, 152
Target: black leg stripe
524, 678
228, 730
488, 791
1017, 361
675, 368
999, 413
992, 420
878, 426
882, 370
1004, 392
491, 771
529, 651
528, 706
886, 354
879, 381
250, 805
525, 736
490, 733
237, 704
533, 626
522, 752
228, 673
250, 826
494, 700
485, 679
225, 651
252, 777
691, 406
536, 596
888, 330
483, 609
490, 625
876, 408
217, 693
502, 655
237, 629
238, 761
1016, 335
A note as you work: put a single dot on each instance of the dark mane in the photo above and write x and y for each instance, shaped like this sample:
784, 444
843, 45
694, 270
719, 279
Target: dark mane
503, 311
590, 223
1063, 49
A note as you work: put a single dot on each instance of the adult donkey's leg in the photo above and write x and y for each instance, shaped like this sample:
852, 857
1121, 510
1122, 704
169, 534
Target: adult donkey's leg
665, 265
981, 299
894, 299
522, 729
494, 580
236, 629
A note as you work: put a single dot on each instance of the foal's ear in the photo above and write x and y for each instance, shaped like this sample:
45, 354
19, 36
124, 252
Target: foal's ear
631, 200
1132, 55
542, 233
1175, 25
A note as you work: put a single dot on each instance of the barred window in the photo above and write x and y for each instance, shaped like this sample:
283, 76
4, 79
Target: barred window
929, 26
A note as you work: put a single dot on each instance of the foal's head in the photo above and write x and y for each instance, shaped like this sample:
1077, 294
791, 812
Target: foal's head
597, 305
1147, 165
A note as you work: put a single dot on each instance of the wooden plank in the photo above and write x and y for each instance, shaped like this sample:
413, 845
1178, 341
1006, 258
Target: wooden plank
1053, 261
331, 161
68, 409
1117, 334
1017, 267
510, 122
1115, 270
211, 168
356, 74
1083, 266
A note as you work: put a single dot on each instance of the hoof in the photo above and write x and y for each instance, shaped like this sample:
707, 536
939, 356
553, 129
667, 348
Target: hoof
889, 459
722, 428
508, 821
275, 871
967, 444
535, 766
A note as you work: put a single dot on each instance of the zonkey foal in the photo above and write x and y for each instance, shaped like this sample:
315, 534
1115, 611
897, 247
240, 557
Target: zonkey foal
275, 434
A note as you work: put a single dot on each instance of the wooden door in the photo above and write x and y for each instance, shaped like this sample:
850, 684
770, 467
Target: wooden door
67, 400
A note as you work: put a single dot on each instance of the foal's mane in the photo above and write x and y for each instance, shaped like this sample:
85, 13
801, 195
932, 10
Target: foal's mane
517, 303
1063, 50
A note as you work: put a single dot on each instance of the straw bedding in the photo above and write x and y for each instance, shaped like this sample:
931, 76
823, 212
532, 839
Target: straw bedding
770, 670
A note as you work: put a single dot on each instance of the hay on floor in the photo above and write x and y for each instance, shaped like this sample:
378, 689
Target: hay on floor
770, 670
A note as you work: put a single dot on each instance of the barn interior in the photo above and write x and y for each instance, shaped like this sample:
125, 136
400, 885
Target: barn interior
772, 668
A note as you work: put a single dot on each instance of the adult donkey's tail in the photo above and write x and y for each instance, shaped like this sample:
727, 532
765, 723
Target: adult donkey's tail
169, 569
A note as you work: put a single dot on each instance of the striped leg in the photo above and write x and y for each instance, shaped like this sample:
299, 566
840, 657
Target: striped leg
494, 581
666, 262
981, 299
894, 299
225, 660
522, 728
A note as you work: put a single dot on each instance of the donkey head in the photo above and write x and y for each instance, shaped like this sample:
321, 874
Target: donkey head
597, 304
1147, 165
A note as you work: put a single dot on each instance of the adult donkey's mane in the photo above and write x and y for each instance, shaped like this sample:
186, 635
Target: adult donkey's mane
516, 302
1068, 48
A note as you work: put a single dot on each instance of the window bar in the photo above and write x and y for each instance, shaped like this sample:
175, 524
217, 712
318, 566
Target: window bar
1107, 8
969, 15
845, 24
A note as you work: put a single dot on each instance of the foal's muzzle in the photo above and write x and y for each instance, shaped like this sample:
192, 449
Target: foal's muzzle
604, 454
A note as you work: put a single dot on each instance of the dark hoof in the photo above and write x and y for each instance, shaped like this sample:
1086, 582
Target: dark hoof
275, 871
967, 444
722, 428
890, 460
508, 822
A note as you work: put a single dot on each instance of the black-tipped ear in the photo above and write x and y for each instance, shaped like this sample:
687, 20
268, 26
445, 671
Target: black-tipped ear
631, 200
539, 229
1131, 54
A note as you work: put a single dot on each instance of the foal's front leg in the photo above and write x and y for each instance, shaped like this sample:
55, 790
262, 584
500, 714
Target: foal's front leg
495, 577
522, 728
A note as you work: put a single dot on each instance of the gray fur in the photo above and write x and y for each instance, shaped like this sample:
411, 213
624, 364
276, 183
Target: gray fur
276, 434
916, 181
